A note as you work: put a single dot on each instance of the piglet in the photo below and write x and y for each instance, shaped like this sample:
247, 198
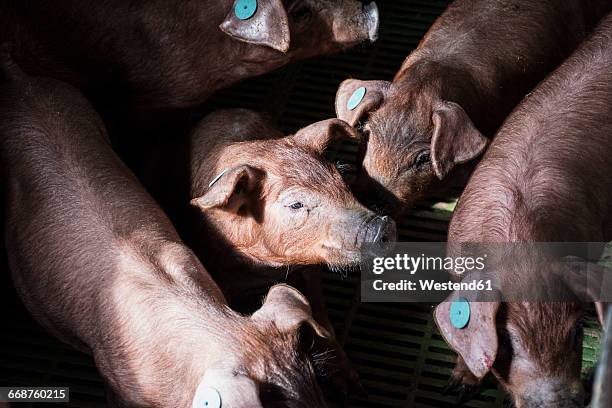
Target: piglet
474, 65
158, 54
276, 199
269, 206
99, 265
545, 178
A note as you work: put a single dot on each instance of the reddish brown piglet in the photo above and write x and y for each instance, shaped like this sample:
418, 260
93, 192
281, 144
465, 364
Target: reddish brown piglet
474, 65
99, 265
545, 178
276, 199
160, 54
268, 206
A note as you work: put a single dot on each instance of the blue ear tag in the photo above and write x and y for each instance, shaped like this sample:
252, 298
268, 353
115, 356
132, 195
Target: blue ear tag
460, 313
211, 398
207, 397
356, 98
245, 9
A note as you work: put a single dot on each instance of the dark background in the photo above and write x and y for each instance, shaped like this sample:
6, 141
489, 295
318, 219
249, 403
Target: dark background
402, 359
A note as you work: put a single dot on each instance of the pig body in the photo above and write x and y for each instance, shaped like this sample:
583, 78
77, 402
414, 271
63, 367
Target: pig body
451, 94
164, 55
545, 178
97, 263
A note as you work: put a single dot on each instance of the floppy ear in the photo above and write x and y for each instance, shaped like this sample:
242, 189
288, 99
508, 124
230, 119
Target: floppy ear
265, 23
477, 342
590, 282
229, 189
455, 138
289, 310
320, 135
356, 98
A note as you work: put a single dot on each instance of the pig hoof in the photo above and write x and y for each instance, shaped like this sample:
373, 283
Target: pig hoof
465, 391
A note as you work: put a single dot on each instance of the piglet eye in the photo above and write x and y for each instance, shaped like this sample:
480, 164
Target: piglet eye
296, 206
422, 159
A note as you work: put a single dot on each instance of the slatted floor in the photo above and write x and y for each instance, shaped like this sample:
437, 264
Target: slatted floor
402, 359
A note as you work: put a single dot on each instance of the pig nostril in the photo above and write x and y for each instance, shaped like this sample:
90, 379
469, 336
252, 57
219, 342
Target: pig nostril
380, 230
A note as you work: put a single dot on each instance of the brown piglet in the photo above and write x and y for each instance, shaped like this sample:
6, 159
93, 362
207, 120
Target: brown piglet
271, 207
545, 178
99, 265
476, 62
276, 199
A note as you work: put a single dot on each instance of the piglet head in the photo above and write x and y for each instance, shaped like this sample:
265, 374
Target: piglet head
302, 28
279, 202
534, 349
413, 139
265, 360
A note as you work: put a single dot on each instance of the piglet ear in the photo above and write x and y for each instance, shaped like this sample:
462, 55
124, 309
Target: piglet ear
229, 189
289, 310
261, 22
455, 139
590, 282
320, 135
355, 98
477, 342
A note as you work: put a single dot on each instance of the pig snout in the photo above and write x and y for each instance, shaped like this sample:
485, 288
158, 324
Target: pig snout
378, 235
370, 11
551, 393
380, 230
355, 22
355, 234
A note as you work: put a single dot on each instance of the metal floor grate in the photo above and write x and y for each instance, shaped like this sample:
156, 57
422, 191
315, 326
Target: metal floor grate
402, 359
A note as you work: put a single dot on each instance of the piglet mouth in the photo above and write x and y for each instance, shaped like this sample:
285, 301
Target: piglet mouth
343, 270
368, 22
377, 237
340, 258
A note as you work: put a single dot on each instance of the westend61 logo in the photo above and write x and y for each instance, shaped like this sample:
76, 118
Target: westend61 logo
412, 264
